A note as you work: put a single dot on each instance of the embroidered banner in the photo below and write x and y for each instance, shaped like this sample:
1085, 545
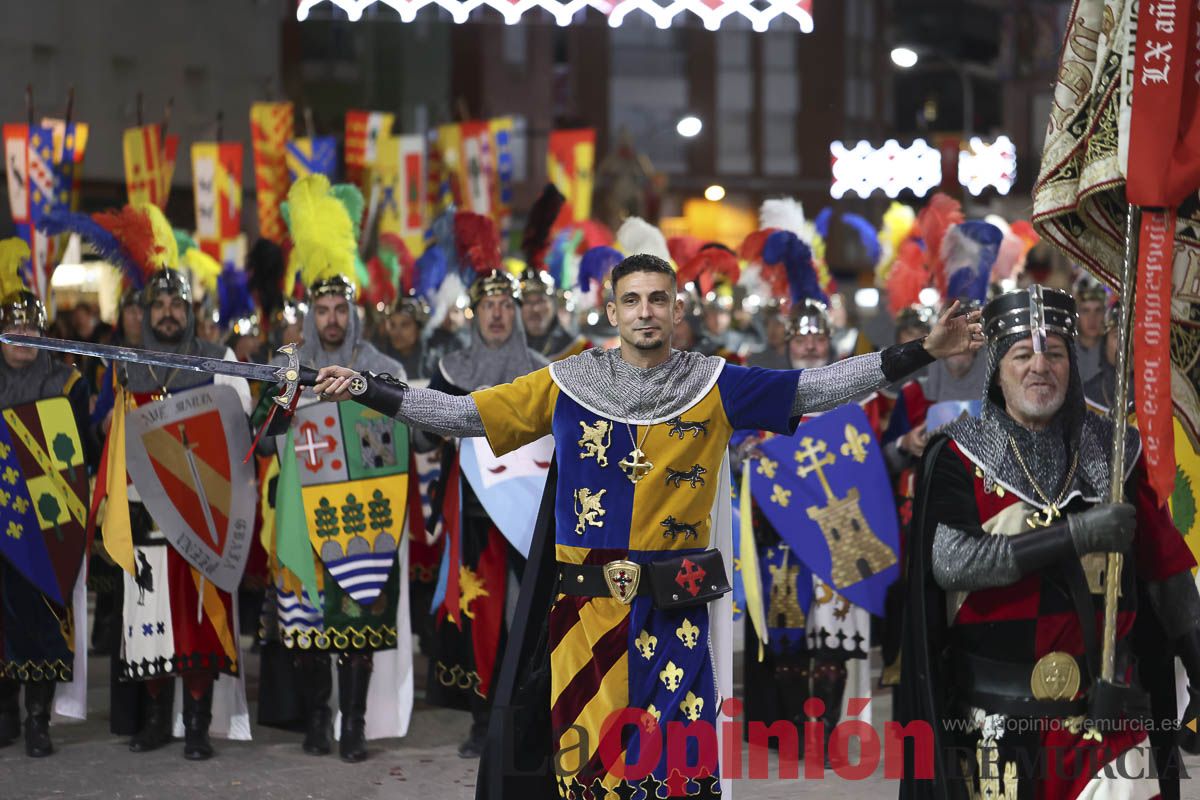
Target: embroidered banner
217, 188
149, 164
571, 156
270, 130
317, 155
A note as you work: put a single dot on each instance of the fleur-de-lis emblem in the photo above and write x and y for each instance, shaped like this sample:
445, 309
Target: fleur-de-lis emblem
10, 476
5, 449
767, 467
651, 719
646, 644
688, 633
781, 496
856, 444
15, 531
692, 706
4, 498
671, 676
21, 505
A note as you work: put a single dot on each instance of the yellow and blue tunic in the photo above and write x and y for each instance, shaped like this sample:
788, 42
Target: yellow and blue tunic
605, 655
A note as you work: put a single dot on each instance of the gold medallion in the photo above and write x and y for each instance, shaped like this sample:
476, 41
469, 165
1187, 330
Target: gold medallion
1055, 677
622, 578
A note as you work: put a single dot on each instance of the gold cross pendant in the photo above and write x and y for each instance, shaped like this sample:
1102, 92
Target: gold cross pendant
636, 466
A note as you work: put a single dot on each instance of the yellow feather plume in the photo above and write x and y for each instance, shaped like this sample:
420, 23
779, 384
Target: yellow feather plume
323, 239
897, 223
13, 253
205, 269
166, 250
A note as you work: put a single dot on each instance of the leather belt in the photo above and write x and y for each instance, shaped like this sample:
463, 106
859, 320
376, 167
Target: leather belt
1012, 687
620, 580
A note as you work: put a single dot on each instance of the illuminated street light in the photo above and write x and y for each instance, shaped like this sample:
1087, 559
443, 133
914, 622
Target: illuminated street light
904, 57
689, 126
715, 193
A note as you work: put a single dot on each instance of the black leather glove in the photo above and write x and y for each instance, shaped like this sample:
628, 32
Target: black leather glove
381, 393
1106, 528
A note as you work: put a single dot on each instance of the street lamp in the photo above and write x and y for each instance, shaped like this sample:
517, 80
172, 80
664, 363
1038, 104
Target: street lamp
907, 57
689, 127
715, 193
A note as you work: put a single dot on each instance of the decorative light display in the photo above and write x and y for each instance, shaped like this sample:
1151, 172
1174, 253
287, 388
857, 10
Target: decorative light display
982, 165
865, 169
917, 168
711, 12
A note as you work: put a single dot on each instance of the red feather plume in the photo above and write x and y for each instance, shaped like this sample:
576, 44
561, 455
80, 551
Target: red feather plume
711, 262
939, 214
133, 230
683, 249
908, 277
477, 241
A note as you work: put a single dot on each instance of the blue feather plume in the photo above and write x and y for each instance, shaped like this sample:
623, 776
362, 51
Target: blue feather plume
107, 246
441, 233
432, 269
595, 265
822, 220
785, 247
233, 287
969, 252
867, 234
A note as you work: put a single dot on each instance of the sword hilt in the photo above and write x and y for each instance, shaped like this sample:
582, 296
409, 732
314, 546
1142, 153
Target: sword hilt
292, 376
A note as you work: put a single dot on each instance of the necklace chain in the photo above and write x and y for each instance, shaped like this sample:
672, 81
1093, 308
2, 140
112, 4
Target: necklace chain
1051, 510
637, 447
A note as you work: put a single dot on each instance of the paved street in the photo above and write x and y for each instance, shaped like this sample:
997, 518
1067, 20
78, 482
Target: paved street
90, 763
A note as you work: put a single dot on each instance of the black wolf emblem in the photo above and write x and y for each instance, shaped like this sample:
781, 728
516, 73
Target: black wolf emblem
681, 426
692, 476
675, 528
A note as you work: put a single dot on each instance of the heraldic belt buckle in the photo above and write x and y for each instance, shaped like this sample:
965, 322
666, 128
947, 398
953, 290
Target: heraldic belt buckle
1055, 676
622, 578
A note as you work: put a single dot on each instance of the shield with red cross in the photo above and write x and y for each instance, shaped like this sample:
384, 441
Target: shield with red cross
184, 455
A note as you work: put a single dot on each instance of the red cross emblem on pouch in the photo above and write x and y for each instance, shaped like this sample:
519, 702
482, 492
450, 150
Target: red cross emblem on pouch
689, 576
309, 444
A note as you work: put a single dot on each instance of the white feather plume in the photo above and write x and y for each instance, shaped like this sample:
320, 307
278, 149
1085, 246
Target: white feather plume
786, 214
638, 236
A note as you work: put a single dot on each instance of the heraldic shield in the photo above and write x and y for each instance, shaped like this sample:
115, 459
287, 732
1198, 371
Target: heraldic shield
353, 468
43, 495
184, 456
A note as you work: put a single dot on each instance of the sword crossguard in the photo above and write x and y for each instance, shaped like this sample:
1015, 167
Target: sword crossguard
289, 375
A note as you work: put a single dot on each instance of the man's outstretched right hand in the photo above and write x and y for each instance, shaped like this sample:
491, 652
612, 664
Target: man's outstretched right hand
333, 383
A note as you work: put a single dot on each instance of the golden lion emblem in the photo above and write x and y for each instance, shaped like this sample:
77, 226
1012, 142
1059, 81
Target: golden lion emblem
588, 509
595, 441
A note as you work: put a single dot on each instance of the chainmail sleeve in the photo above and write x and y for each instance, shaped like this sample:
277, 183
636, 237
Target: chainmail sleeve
965, 557
441, 413
823, 388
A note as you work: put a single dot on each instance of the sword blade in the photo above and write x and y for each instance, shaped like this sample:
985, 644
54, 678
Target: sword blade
214, 366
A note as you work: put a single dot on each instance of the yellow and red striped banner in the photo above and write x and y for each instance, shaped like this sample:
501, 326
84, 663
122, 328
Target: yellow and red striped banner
571, 157
149, 164
365, 133
270, 131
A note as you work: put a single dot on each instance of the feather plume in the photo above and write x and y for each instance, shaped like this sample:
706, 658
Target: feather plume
969, 251
102, 241
595, 266
234, 291
711, 262
683, 249
323, 233
446, 296
935, 219
909, 275
786, 248
536, 236
752, 246
785, 214
14, 254
595, 234
477, 242
400, 261
144, 234
866, 234
431, 269
205, 269
638, 236
350, 197
822, 221
896, 226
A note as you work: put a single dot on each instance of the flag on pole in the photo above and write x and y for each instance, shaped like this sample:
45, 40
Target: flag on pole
217, 186
312, 156
571, 156
477, 167
502, 185
401, 172
149, 164
270, 130
449, 150
365, 132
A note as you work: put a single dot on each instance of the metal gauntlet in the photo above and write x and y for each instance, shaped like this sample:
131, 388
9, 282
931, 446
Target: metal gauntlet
381, 393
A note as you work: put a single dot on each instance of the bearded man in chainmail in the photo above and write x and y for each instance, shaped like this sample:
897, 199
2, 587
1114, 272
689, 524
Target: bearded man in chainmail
625, 563
1007, 565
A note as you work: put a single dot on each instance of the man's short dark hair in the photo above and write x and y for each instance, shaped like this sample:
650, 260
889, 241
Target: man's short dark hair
639, 262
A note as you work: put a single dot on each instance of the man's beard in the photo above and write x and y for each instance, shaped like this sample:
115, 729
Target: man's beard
1041, 410
649, 344
333, 336
174, 337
